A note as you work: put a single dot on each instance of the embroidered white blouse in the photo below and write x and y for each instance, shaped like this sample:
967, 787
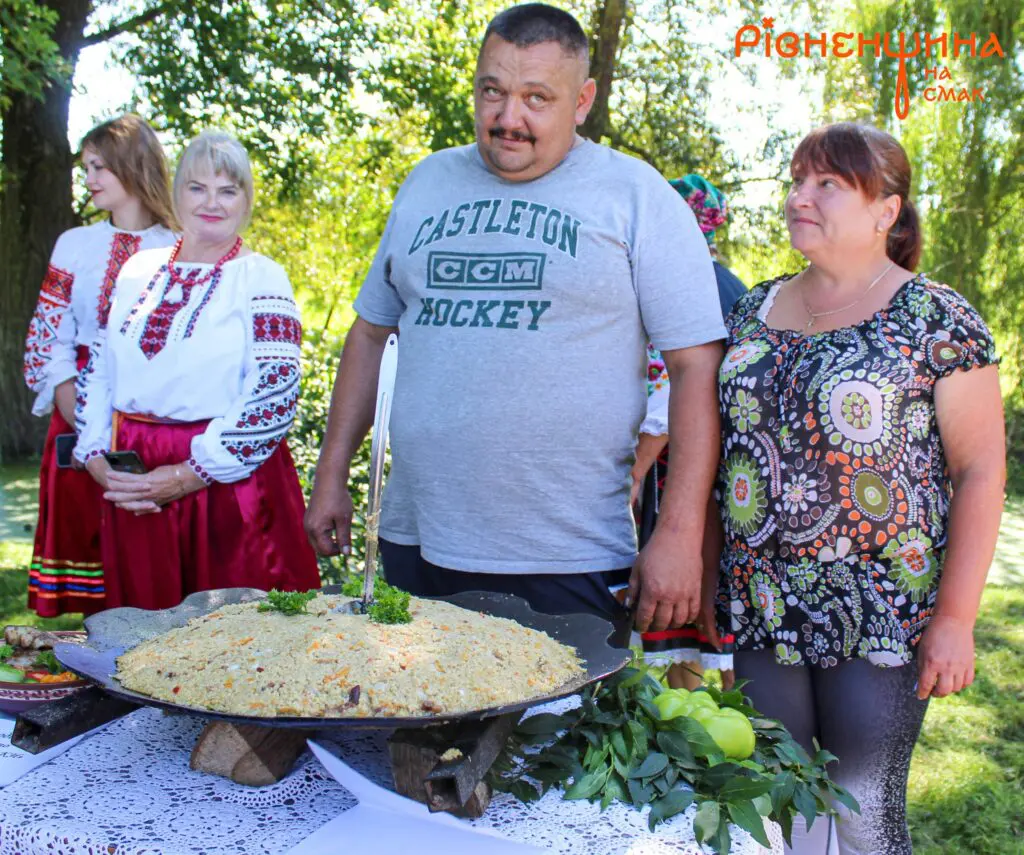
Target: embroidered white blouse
75, 299
656, 420
225, 349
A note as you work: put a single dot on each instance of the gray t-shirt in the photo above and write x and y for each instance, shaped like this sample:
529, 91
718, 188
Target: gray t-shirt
523, 312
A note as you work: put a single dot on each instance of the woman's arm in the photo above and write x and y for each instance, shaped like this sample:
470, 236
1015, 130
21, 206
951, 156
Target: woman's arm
254, 421
653, 435
969, 412
50, 343
64, 399
648, 447
711, 552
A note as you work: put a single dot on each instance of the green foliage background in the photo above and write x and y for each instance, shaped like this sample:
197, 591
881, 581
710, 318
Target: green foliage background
338, 99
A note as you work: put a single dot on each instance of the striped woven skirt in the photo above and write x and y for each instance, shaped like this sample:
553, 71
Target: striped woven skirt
66, 574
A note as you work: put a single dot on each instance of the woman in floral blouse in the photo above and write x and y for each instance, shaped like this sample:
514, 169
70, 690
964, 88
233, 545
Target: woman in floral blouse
861, 480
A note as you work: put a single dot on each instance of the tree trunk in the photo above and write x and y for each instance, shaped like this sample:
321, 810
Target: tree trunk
35, 207
609, 22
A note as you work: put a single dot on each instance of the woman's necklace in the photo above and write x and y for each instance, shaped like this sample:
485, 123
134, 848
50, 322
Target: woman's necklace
175, 278
813, 316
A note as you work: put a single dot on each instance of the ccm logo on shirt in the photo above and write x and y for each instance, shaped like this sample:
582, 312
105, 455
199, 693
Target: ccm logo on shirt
502, 271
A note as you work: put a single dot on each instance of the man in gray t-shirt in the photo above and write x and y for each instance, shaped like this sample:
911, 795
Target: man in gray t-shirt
525, 274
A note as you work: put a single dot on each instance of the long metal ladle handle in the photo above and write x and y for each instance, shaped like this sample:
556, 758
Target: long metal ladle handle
378, 447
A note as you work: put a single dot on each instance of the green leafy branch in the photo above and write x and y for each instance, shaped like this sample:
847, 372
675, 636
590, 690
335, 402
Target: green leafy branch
616, 746
390, 604
286, 602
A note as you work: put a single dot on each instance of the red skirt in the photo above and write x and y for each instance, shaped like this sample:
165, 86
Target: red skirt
245, 534
66, 574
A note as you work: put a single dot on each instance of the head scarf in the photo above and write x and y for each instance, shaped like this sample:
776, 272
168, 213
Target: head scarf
706, 201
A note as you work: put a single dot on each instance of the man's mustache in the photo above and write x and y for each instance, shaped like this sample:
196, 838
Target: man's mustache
517, 136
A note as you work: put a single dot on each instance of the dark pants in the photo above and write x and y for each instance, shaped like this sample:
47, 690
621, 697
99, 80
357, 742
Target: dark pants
869, 717
550, 593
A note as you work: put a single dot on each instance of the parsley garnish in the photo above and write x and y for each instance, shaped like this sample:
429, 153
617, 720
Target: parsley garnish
353, 586
286, 602
46, 659
6, 652
390, 604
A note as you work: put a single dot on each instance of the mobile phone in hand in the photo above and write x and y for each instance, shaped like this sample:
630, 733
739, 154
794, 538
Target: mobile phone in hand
125, 461
64, 446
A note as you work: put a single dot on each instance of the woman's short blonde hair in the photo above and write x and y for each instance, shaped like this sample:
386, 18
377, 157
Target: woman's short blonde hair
219, 154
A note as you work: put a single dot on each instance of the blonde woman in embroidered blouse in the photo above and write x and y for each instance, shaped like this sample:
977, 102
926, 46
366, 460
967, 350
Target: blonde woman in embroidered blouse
126, 175
198, 373
861, 484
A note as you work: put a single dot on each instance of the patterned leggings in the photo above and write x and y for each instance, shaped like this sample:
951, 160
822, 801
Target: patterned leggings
870, 718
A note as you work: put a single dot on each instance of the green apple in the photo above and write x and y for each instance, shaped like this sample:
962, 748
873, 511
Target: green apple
702, 714
670, 705
703, 699
733, 733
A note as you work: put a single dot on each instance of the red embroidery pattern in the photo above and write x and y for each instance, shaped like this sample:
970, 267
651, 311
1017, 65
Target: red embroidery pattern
253, 451
54, 299
202, 305
57, 286
269, 413
193, 464
158, 324
123, 247
81, 399
277, 328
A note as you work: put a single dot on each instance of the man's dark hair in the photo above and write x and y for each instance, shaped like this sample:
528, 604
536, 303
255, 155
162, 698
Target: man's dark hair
535, 23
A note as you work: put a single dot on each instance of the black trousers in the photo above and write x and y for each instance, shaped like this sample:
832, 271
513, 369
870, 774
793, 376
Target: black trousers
550, 593
870, 718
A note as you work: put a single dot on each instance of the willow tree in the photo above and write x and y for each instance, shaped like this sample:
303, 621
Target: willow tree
272, 71
967, 156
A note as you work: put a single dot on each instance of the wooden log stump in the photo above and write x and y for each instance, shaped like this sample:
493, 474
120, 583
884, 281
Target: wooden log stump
247, 754
411, 765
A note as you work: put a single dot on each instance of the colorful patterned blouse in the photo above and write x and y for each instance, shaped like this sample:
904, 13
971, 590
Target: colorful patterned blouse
833, 485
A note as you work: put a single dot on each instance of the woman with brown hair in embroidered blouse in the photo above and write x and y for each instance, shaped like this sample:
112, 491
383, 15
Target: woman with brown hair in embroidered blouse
126, 175
861, 481
199, 373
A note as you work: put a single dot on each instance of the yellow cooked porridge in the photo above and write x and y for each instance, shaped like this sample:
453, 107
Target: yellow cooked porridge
329, 664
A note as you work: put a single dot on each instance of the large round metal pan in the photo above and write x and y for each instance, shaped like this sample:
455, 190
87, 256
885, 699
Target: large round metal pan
113, 632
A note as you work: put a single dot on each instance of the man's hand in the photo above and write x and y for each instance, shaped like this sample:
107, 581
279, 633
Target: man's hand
666, 580
665, 585
328, 519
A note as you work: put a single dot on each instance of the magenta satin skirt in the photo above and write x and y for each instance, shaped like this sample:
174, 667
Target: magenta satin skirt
245, 534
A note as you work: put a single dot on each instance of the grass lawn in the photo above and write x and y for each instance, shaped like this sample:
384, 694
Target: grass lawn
968, 769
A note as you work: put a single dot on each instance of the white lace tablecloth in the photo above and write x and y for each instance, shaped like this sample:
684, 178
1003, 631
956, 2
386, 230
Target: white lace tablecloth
128, 790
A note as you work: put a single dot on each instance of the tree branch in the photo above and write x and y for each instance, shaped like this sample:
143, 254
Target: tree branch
618, 141
126, 26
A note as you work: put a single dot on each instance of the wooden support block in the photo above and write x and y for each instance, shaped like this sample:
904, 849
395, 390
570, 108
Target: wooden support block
54, 722
411, 765
247, 753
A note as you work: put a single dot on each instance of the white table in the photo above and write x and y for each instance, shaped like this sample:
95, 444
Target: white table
128, 789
